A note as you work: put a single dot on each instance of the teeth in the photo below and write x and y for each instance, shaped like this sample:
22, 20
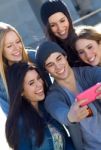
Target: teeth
41, 91
16, 54
92, 59
62, 33
61, 71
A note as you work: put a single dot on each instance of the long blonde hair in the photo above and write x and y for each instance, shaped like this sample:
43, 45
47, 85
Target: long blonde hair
4, 29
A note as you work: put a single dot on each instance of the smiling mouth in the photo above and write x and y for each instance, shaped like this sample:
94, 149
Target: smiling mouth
41, 92
92, 59
17, 54
61, 71
63, 34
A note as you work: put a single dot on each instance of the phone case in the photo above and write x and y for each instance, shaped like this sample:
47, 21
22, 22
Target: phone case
89, 94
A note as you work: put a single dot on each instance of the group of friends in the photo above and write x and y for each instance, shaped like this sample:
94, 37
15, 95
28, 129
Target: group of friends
38, 96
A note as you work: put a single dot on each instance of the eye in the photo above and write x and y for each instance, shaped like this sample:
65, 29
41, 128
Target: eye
59, 58
52, 25
49, 65
62, 20
81, 52
90, 47
9, 46
19, 41
31, 83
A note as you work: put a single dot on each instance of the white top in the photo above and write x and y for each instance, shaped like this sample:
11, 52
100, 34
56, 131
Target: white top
3, 142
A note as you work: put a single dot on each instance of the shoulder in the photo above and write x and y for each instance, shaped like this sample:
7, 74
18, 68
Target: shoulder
87, 70
87, 76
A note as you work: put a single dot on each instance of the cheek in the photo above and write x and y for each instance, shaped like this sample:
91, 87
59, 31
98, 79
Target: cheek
7, 55
98, 49
54, 30
67, 24
21, 46
50, 70
6, 52
27, 91
83, 57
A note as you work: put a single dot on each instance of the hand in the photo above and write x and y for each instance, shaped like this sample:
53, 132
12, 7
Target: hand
77, 113
99, 92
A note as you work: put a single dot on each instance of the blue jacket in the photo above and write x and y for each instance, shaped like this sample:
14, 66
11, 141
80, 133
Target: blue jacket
58, 103
28, 143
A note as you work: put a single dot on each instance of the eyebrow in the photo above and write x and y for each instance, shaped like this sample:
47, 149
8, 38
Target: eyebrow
30, 81
12, 42
48, 64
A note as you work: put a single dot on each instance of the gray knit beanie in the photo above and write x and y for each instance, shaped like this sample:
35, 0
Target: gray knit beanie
50, 7
45, 50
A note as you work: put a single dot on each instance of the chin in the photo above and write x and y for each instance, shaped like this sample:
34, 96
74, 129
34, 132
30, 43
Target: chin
63, 38
18, 60
42, 97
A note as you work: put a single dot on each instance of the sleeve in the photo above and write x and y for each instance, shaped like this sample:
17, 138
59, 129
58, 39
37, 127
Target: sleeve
4, 100
57, 107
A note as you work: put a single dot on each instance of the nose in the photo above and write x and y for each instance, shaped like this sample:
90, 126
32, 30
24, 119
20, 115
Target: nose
59, 27
39, 85
88, 54
57, 66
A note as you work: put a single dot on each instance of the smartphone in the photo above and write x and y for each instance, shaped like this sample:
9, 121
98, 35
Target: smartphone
89, 94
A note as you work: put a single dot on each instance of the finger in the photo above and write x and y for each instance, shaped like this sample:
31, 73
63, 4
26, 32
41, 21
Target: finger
99, 96
81, 102
98, 89
83, 114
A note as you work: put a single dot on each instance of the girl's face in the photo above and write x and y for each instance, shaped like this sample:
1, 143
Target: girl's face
59, 25
89, 51
12, 48
33, 88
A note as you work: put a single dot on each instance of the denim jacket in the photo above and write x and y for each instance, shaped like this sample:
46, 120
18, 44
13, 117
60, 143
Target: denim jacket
4, 100
28, 143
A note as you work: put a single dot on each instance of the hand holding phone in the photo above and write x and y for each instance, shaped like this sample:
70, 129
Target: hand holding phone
89, 94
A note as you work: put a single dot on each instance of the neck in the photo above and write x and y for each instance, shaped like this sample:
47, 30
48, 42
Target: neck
35, 105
